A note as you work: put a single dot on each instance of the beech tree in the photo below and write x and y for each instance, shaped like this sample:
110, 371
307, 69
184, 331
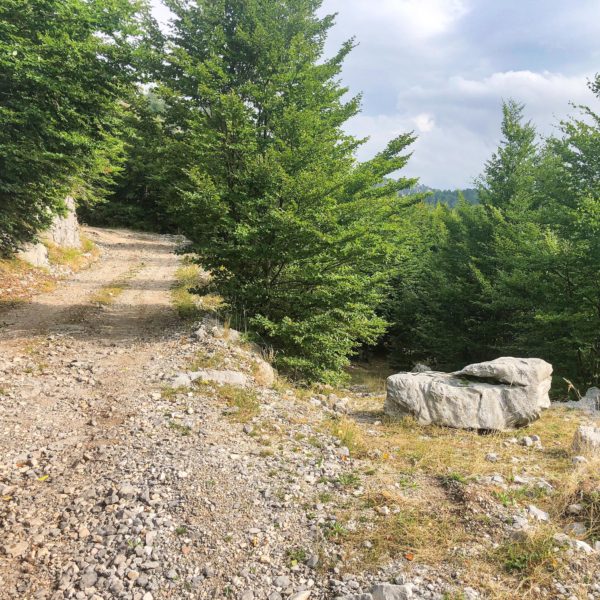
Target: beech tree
299, 237
64, 67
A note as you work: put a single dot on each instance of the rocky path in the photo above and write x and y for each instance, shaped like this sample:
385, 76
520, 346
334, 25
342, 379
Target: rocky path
114, 485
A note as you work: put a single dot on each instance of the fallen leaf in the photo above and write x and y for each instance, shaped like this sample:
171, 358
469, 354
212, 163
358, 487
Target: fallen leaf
43, 478
409, 556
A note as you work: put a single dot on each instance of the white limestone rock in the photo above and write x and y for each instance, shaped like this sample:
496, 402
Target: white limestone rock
587, 439
34, 254
498, 395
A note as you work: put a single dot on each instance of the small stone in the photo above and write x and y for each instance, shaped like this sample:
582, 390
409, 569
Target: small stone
576, 529
88, 580
581, 546
171, 574
313, 561
574, 509
526, 441
303, 595
282, 581
17, 549
491, 457
537, 513
520, 522
387, 591
133, 575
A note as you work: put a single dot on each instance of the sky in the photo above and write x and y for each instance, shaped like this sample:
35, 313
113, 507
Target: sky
441, 68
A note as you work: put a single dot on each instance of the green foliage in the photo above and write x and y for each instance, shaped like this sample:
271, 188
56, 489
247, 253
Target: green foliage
299, 239
143, 187
517, 274
63, 70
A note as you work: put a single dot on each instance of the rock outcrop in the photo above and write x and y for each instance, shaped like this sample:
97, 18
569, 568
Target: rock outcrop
63, 232
35, 255
502, 394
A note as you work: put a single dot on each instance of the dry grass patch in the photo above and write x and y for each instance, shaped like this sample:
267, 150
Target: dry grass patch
243, 401
441, 515
208, 360
109, 293
412, 531
349, 433
191, 306
186, 304
75, 259
370, 376
19, 281
533, 558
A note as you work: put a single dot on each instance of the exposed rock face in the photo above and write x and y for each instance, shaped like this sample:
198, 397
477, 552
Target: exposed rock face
264, 373
590, 403
591, 400
587, 439
497, 395
64, 231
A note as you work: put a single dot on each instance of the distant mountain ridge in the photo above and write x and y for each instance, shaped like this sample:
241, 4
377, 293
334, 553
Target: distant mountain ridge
448, 197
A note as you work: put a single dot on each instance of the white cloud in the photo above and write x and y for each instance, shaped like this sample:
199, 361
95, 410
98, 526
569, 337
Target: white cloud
452, 148
415, 19
424, 122
527, 86
443, 67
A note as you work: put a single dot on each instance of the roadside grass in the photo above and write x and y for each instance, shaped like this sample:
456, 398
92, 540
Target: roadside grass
208, 360
371, 376
109, 293
183, 430
73, 258
533, 558
170, 393
243, 401
19, 281
191, 306
431, 480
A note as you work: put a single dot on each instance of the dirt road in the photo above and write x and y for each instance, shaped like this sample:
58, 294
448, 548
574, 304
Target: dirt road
113, 485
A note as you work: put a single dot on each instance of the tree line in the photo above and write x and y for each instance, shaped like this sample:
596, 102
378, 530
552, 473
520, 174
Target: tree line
229, 128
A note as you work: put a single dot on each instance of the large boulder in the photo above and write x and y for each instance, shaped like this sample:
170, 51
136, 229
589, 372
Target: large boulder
497, 395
